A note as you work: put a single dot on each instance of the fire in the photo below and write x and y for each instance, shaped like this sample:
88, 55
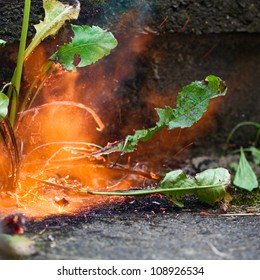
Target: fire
76, 112
56, 136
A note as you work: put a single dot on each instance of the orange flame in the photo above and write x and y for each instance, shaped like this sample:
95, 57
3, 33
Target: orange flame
76, 110
56, 136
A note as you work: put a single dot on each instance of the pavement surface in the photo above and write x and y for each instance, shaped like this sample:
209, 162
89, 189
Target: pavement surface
149, 228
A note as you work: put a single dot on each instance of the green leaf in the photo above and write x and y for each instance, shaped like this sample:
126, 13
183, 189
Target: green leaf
245, 177
4, 102
13, 246
56, 13
209, 186
218, 178
216, 84
89, 43
2, 42
179, 184
256, 154
192, 102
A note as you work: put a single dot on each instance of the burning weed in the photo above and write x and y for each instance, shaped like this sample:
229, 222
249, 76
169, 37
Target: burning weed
60, 166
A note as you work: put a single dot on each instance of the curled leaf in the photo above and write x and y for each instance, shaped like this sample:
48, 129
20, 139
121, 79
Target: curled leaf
219, 179
56, 13
209, 185
178, 184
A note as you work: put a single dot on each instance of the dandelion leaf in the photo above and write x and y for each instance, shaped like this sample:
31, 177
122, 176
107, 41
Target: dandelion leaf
192, 103
209, 186
179, 184
89, 43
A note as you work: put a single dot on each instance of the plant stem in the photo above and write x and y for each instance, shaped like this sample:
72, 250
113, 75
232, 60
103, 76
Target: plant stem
257, 125
46, 70
147, 191
68, 103
8, 136
16, 80
127, 192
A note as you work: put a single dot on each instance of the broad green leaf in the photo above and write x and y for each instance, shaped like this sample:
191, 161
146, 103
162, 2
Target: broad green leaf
245, 177
218, 178
4, 102
256, 154
89, 43
192, 102
209, 186
14, 246
2, 42
56, 13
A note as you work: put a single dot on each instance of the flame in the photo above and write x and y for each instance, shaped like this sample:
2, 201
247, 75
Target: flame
69, 118
73, 114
